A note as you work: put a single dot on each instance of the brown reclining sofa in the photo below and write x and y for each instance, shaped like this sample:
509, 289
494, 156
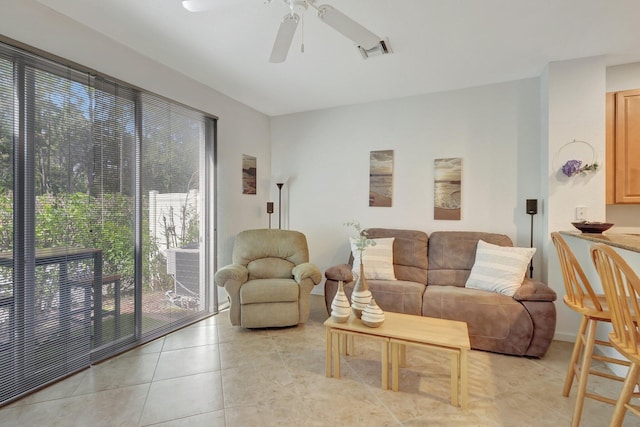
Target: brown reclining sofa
432, 271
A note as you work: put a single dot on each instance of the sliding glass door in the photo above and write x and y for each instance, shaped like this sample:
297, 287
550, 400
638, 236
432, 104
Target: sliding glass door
105, 222
172, 206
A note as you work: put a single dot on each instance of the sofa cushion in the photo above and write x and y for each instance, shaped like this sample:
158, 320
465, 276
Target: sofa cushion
377, 259
498, 268
496, 322
452, 255
264, 268
410, 259
398, 296
269, 290
289, 245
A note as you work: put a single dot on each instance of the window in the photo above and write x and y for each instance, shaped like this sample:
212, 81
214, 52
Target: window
104, 229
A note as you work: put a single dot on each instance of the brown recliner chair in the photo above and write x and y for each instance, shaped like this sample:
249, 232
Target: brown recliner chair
270, 279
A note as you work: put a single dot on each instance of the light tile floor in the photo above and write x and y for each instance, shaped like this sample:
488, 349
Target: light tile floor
212, 374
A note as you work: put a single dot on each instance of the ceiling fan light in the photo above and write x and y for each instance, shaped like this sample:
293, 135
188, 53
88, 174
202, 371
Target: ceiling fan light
347, 26
382, 48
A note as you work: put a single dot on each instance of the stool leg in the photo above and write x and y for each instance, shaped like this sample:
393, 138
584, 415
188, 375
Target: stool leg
625, 396
585, 366
575, 355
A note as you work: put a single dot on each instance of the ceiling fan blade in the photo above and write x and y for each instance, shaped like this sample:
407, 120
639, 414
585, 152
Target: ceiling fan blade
198, 5
284, 38
347, 26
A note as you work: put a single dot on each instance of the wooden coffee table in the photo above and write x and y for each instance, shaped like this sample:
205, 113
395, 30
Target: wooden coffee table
397, 332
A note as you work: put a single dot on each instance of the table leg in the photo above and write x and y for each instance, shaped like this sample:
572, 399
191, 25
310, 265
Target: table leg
394, 366
343, 342
384, 362
455, 377
336, 356
329, 352
350, 345
464, 379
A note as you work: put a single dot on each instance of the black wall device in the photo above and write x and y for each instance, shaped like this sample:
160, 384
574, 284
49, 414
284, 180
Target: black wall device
270, 207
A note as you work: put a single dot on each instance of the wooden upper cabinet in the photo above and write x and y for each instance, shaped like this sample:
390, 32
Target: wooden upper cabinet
623, 147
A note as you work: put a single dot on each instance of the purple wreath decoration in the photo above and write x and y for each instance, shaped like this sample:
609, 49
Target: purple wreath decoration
573, 167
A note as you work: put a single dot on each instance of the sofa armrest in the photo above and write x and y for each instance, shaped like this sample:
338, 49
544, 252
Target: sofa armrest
231, 273
306, 270
339, 272
532, 290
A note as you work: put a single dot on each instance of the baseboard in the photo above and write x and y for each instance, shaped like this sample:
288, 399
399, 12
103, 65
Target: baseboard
564, 336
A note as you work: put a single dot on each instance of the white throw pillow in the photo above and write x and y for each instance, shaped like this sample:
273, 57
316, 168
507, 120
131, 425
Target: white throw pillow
377, 260
499, 269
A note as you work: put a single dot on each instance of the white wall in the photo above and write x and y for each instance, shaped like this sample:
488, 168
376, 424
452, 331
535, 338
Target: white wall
241, 130
625, 217
495, 129
575, 110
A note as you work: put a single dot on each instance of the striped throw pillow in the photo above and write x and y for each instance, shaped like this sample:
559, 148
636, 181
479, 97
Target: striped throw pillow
499, 269
377, 260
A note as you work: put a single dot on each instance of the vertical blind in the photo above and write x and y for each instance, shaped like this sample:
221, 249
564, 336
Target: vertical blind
102, 196
7, 316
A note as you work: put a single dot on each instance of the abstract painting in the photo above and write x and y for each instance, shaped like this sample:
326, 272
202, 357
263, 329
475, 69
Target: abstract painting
381, 178
248, 174
447, 185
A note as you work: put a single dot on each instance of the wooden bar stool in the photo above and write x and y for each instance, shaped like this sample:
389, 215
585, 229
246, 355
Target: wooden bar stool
622, 289
581, 298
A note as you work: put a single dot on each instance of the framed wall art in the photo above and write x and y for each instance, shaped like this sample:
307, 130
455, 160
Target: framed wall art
447, 188
249, 173
381, 178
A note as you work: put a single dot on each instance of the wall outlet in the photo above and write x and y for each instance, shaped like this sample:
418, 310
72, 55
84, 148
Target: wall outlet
581, 213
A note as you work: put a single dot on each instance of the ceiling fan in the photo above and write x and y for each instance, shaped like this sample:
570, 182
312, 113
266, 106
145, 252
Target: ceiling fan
365, 39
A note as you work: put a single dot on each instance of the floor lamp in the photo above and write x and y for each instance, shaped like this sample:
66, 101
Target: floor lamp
280, 184
532, 209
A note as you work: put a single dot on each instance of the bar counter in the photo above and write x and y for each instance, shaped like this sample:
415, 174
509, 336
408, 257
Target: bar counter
630, 242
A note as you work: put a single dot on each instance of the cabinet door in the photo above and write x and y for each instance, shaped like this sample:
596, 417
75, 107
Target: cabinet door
610, 156
627, 147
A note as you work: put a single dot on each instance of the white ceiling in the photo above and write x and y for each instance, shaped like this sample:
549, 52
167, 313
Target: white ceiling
437, 44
